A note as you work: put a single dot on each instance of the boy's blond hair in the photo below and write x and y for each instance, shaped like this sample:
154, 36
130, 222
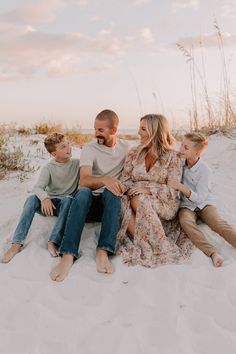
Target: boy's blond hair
51, 140
200, 141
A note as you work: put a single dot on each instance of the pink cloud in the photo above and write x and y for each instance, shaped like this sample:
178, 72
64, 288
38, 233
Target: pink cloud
34, 12
183, 4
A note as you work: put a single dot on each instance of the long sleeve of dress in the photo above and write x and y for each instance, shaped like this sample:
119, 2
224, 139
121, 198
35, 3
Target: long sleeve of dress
126, 176
174, 170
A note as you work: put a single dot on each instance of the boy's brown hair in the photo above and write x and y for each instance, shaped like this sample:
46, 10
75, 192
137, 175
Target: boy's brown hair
110, 116
51, 140
200, 141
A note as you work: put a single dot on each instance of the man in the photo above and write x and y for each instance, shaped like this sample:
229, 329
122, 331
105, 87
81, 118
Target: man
98, 198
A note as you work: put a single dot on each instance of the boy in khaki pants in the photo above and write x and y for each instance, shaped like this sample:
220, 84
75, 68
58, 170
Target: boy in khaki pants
196, 199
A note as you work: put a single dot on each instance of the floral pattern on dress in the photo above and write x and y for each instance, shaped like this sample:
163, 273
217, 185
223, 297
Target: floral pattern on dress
158, 237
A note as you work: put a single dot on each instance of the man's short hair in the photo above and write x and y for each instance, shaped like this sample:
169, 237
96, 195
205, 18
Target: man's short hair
110, 116
200, 141
51, 140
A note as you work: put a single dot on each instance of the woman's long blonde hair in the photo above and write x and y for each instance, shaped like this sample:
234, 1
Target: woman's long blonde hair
160, 137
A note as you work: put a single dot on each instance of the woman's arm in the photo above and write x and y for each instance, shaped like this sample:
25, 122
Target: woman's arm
126, 176
174, 172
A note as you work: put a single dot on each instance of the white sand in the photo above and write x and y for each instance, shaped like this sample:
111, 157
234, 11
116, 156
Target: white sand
176, 309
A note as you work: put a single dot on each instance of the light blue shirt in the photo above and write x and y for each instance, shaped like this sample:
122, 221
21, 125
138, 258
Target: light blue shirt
198, 180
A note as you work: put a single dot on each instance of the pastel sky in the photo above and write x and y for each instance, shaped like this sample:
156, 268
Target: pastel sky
66, 60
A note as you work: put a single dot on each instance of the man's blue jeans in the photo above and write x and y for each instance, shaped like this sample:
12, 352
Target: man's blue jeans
87, 207
33, 205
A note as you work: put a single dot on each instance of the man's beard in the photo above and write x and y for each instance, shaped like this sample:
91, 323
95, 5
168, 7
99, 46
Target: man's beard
101, 140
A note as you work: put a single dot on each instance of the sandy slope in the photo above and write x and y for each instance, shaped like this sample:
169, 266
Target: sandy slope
182, 309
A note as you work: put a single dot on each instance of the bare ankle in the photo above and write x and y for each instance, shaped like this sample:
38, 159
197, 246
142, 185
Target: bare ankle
217, 259
53, 249
11, 252
61, 270
103, 263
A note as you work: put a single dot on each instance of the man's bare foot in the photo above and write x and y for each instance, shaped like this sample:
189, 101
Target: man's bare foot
52, 249
217, 259
103, 263
13, 250
62, 268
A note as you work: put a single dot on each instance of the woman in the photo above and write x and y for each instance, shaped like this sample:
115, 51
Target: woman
150, 234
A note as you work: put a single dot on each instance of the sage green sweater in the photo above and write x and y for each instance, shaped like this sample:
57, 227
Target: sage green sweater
57, 180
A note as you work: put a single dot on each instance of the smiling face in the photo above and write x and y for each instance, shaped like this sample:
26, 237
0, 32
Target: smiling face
103, 132
142, 132
62, 152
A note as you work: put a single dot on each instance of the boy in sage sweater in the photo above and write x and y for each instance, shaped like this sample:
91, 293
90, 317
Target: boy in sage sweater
51, 196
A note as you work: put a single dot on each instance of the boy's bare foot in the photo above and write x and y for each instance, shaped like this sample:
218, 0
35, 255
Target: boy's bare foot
62, 268
103, 263
217, 259
13, 250
52, 249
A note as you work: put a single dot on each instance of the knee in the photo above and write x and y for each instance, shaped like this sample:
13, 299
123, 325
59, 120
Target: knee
66, 201
33, 202
83, 195
110, 197
187, 223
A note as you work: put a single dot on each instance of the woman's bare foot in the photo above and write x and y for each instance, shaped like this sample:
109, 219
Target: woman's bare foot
103, 263
52, 249
217, 259
62, 268
13, 250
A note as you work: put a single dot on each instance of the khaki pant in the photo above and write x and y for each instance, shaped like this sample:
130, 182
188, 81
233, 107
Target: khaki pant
210, 216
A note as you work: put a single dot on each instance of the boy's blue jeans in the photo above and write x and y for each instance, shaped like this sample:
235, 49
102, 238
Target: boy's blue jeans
33, 205
86, 207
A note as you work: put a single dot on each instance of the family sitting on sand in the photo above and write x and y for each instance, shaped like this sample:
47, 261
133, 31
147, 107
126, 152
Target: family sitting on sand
148, 198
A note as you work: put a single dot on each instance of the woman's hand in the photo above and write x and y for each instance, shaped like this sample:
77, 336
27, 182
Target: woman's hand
174, 184
134, 191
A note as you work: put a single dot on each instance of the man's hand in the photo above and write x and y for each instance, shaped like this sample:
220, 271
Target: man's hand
132, 192
47, 207
114, 186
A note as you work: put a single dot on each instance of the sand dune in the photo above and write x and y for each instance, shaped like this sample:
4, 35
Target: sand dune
174, 309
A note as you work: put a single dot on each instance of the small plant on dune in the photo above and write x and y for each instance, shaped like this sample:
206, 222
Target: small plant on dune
47, 128
12, 160
128, 136
8, 128
78, 138
24, 131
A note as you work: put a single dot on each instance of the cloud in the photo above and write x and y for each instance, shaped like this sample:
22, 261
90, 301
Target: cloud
208, 40
145, 35
33, 12
229, 8
80, 2
196, 42
183, 4
28, 52
142, 2
95, 18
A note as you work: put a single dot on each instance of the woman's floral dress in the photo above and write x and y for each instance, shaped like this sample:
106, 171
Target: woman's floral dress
158, 238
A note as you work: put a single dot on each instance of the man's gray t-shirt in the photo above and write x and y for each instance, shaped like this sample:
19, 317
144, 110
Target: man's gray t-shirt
104, 160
